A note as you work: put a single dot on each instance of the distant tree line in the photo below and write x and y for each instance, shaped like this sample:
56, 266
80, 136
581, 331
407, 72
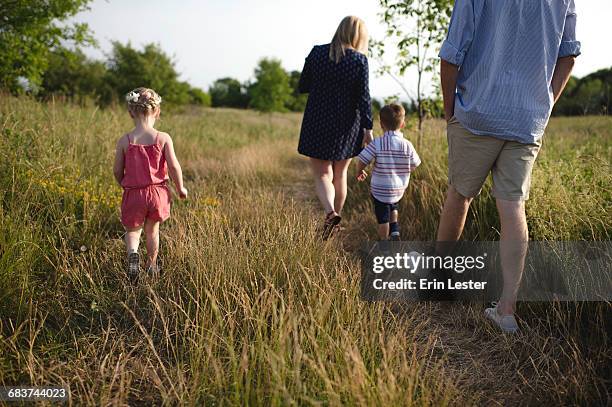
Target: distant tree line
272, 90
588, 95
40, 54
70, 73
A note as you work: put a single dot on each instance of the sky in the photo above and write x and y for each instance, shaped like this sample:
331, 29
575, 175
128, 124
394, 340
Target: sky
211, 39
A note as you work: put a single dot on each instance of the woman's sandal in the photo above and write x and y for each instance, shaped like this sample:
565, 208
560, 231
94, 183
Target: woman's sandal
331, 221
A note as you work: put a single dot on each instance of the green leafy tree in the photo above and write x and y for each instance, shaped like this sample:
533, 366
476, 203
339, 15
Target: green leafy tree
271, 90
415, 29
29, 30
70, 73
150, 67
228, 92
588, 95
297, 101
199, 97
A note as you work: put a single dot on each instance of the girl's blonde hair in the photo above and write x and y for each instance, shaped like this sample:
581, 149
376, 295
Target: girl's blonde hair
351, 33
143, 101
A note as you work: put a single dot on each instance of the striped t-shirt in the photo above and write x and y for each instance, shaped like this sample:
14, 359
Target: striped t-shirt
395, 157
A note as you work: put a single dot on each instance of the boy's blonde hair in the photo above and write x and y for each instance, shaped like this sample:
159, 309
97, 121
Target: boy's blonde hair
392, 116
351, 33
143, 101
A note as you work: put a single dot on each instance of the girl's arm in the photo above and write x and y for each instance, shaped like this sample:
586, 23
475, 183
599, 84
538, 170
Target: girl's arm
119, 164
174, 168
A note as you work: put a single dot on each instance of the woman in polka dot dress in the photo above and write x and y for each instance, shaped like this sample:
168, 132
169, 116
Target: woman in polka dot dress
338, 117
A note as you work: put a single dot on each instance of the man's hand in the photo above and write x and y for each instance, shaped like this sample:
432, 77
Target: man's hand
362, 176
183, 193
368, 137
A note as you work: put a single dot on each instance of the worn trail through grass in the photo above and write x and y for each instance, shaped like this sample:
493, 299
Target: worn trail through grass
252, 308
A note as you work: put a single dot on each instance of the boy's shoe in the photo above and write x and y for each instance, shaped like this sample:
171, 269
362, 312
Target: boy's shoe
133, 267
506, 323
395, 237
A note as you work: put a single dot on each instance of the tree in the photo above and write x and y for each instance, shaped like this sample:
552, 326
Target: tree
416, 28
199, 97
297, 101
228, 92
70, 73
151, 67
29, 30
588, 95
271, 90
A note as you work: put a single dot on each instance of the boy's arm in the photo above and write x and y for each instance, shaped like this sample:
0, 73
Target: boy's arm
119, 163
361, 173
361, 166
364, 159
415, 160
174, 168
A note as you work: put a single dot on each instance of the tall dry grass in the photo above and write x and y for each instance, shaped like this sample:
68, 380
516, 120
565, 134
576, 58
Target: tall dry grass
252, 308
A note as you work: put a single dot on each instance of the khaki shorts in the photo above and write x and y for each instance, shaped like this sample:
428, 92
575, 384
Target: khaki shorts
471, 157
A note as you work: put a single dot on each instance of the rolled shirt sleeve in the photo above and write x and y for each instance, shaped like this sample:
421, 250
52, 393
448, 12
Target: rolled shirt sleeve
569, 45
460, 33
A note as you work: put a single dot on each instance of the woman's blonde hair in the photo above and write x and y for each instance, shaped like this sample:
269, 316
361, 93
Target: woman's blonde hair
143, 101
351, 33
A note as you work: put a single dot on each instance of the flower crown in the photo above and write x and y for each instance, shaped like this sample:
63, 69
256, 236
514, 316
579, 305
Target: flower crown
150, 101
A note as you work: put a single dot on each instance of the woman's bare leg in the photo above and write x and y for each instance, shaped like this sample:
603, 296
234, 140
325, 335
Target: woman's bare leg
340, 169
323, 175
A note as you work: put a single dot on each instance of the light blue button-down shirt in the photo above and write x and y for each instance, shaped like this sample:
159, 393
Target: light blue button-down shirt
506, 51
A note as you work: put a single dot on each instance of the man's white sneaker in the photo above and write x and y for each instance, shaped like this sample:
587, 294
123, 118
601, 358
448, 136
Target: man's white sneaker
506, 323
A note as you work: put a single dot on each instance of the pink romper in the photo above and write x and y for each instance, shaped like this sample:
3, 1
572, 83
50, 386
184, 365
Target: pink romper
145, 189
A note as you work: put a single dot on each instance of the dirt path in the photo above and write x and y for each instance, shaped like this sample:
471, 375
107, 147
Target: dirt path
455, 329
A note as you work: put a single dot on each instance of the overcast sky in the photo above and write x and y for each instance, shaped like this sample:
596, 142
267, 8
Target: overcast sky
210, 39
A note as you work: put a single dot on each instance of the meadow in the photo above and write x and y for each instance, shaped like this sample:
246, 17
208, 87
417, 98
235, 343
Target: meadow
252, 308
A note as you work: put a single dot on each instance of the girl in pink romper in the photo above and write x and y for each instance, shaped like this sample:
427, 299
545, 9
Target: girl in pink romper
144, 161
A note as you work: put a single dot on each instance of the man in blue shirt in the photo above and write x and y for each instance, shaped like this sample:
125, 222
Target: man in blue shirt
504, 64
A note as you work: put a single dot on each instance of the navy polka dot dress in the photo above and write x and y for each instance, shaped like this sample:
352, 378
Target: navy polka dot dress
338, 107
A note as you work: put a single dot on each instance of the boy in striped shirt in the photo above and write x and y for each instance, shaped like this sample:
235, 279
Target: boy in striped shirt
394, 159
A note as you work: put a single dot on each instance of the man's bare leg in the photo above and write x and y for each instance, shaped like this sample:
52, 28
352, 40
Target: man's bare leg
452, 219
513, 249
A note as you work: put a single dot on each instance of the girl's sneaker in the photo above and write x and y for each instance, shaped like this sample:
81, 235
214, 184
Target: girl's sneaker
153, 270
395, 236
506, 323
133, 267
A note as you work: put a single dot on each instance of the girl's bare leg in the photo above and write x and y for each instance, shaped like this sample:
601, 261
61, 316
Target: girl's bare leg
323, 175
152, 237
132, 239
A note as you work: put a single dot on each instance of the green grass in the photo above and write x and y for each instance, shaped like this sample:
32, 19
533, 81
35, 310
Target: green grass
252, 308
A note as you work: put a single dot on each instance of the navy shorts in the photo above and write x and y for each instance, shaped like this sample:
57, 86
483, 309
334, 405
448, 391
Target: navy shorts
383, 210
